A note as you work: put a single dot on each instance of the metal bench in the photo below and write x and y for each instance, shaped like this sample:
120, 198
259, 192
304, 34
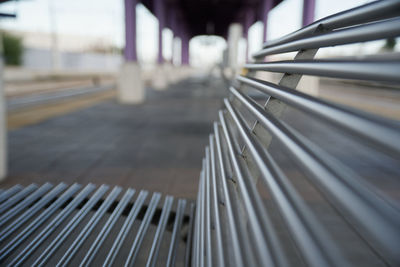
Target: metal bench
288, 179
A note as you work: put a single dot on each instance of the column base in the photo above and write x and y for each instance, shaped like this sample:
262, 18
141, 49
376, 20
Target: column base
130, 85
159, 80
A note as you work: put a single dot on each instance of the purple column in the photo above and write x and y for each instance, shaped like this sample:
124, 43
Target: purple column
130, 30
267, 6
159, 12
184, 48
308, 12
249, 18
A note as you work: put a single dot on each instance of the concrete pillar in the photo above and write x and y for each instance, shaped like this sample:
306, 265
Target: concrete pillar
130, 85
234, 35
267, 6
3, 125
308, 12
159, 12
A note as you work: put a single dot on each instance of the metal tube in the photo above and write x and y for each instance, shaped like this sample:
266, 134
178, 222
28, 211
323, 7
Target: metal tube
317, 247
31, 211
107, 228
232, 222
175, 233
207, 204
375, 130
374, 11
369, 32
142, 230
44, 234
11, 213
21, 236
17, 197
189, 242
10, 192
268, 245
55, 244
89, 227
215, 204
125, 228
158, 237
372, 70
376, 217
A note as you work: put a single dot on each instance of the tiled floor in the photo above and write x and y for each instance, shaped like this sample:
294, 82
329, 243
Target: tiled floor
156, 146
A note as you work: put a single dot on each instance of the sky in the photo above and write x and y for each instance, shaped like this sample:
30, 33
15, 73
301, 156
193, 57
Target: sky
105, 18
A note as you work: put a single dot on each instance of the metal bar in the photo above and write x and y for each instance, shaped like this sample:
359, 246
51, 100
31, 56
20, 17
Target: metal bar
369, 32
67, 230
202, 217
89, 227
31, 211
125, 228
372, 70
373, 214
17, 197
268, 245
176, 233
18, 239
107, 228
375, 130
45, 233
377, 10
317, 247
11, 213
142, 230
158, 237
189, 241
207, 204
196, 245
215, 203
232, 222
10, 192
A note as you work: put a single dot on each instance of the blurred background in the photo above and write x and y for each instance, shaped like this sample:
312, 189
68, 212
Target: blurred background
125, 92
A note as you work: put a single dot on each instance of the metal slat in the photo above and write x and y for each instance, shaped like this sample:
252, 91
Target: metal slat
233, 221
267, 244
31, 211
142, 230
107, 228
175, 233
375, 215
17, 197
11, 213
73, 223
155, 247
374, 11
207, 204
50, 227
83, 235
125, 228
377, 131
369, 32
190, 236
372, 70
318, 248
46, 214
215, 204
10, 192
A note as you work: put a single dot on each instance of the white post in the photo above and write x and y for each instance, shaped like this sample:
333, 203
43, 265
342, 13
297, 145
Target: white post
234, 34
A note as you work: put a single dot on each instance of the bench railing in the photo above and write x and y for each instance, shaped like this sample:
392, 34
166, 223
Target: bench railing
297, 180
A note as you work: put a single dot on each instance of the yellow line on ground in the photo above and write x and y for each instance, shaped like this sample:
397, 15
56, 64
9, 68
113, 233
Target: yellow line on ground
28, 116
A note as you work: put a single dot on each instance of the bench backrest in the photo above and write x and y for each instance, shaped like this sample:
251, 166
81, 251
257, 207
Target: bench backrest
290, 179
